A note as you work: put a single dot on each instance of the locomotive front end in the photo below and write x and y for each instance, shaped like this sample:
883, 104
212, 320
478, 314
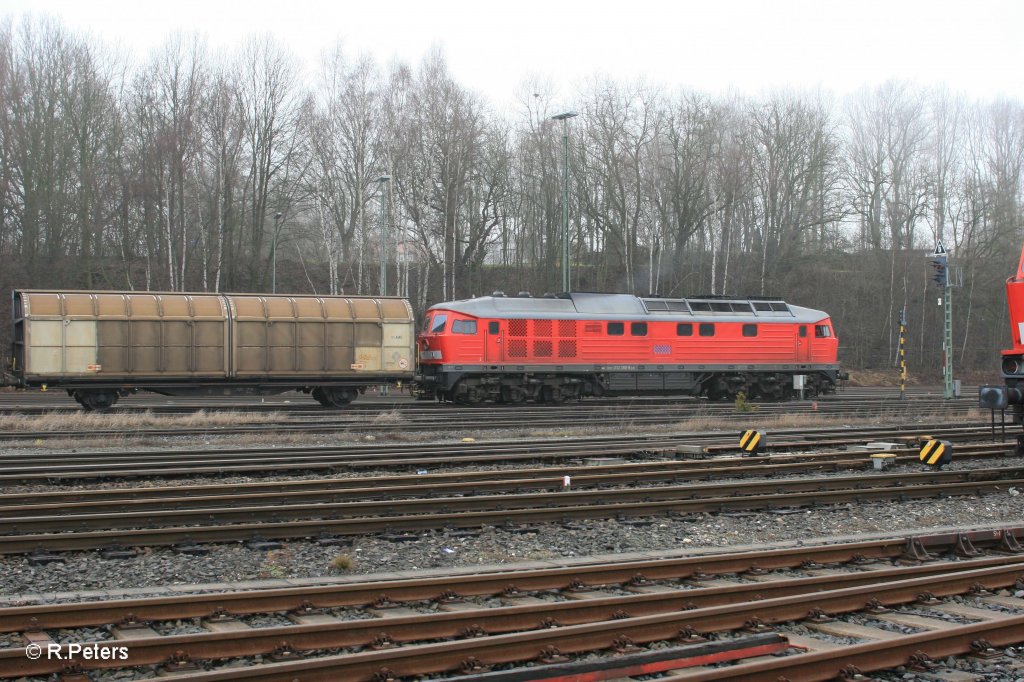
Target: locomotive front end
1011, 393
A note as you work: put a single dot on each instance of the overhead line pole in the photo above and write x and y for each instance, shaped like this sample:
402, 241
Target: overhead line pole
564, 118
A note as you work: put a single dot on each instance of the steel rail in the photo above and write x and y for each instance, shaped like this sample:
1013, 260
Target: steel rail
523, 646
430, 422
485, 511
800, 437
25, 516
298, 507
487, 583
872, 656
18, 468
30, 403
510, 619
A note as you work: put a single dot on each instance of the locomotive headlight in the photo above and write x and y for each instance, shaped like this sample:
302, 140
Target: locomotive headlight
1012, 366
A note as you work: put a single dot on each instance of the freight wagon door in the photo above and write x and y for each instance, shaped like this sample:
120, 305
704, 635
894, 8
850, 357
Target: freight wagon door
493, 342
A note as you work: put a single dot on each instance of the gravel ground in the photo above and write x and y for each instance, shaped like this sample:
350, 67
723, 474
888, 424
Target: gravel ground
445, 549
155, 569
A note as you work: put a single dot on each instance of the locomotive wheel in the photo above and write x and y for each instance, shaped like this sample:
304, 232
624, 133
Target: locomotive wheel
473, 395
554, 395
96, 401
716, 394
513, 395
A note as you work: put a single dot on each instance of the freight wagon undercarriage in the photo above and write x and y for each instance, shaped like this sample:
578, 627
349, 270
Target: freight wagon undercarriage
334, 394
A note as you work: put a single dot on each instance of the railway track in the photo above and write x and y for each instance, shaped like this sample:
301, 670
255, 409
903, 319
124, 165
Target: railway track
871, 605
27, 467
582, 476
404, 415
36, 401
333, 510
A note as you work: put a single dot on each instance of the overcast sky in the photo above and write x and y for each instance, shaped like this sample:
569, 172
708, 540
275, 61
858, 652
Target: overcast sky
713, 46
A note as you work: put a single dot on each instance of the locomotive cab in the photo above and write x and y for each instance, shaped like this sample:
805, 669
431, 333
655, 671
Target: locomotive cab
457, 333
446, 337
824, 343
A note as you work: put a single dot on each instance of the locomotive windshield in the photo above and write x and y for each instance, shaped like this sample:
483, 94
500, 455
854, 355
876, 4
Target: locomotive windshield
438, 324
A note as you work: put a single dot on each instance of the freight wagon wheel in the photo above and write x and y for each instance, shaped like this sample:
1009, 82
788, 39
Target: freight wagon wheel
333, 397
96, 401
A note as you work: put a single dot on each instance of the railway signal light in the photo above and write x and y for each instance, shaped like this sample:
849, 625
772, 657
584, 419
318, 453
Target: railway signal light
941, 274
993, 397
936, 453
999, 397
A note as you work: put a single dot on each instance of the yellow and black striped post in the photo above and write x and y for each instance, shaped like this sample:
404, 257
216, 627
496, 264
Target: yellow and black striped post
903, 355
751, 441
936, 453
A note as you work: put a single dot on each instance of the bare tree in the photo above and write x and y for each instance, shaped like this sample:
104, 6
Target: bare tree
270, 105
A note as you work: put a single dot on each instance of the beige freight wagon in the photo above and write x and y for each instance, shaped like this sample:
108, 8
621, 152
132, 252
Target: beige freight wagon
99, 345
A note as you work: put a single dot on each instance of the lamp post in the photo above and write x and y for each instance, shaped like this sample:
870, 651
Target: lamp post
273, 256
564, 118
383, 235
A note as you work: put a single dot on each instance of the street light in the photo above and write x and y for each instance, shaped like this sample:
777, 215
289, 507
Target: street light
383, 236
564, 118
273, 256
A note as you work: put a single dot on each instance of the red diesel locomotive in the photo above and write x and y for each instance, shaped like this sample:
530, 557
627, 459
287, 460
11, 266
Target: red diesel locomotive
1011, 393
556, 348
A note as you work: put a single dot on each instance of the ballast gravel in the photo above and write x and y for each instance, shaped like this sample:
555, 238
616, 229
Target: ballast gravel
152, 567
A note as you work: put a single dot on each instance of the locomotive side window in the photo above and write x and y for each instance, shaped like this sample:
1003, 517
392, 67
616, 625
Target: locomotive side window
750, 330
822, 331
463, 326
438, 325
684, 329
616, 329
803, 331
707, 329
638, 328
493, 327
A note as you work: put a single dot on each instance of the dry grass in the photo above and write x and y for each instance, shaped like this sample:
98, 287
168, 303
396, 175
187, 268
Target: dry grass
916, 377
699, 423
88, 421
342, 562
392, 417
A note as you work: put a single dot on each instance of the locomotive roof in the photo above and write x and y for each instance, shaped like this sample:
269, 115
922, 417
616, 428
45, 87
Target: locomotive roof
587, 306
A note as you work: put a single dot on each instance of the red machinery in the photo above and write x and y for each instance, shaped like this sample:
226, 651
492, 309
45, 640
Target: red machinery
550, 349
1012, 393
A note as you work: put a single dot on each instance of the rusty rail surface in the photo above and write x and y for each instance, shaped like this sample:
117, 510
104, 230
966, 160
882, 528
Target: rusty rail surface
20, 468
519, 634
518, 479
506, 582
164, 527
